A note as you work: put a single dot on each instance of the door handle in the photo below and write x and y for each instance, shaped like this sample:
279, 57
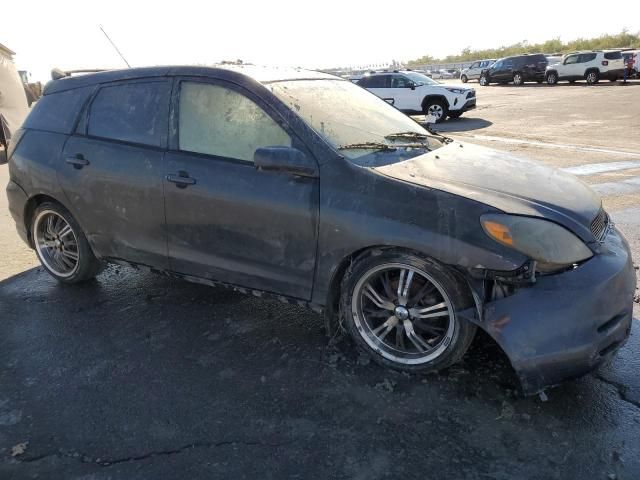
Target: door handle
182, 180
78, 161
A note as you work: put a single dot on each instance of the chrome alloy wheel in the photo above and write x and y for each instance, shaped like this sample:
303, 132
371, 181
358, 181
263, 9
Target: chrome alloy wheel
592, 77
56, 243
436, 111
403, 313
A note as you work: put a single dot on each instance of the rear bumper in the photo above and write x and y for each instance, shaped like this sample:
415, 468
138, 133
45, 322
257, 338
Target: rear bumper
17, 202
567, 324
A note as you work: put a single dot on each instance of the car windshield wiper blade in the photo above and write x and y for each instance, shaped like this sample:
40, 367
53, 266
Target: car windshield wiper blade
368, 146
414, 135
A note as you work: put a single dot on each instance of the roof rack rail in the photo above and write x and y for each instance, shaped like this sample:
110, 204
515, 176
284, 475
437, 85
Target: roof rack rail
57, 74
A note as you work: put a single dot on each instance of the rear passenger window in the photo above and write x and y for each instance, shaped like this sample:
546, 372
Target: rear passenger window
57, 112
218, 121
131, 112
587, 57
613, 55
377, 81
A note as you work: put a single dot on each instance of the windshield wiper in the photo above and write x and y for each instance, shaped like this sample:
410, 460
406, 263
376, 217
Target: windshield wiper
413, 135
437, 135
368, 146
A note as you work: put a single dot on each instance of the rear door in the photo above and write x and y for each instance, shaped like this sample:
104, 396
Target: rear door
380, 85
226, 220
113, 168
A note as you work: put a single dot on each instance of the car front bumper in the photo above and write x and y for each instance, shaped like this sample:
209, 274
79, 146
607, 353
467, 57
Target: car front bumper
463, 105
567, 324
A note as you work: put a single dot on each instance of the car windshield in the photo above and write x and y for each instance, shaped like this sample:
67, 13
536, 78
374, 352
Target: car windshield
352, 120
419, 79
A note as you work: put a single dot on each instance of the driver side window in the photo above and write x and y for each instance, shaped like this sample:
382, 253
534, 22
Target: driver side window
215, 120
571, 60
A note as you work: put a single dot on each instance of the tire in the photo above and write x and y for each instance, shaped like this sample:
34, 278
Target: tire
614, 79
592, 77
552, 78
518, 79
371, 311
436, 107
484, 81
61, 246
455, 114
464, 79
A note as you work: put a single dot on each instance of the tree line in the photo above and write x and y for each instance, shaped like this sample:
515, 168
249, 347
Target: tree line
555, 45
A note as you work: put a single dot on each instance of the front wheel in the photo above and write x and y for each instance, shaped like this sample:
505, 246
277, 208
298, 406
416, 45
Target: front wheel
436, 108
402, 308
518, 79
464, 79
61, 246
552, 78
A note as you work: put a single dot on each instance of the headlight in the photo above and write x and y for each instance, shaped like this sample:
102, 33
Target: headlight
551, 245
456, 90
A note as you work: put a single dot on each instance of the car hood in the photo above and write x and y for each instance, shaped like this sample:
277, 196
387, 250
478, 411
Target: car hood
504, 181
452, 85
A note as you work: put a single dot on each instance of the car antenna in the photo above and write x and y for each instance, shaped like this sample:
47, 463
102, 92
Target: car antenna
114, 46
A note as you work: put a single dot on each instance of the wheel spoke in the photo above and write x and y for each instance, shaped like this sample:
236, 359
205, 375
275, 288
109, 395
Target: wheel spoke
426, 288
420, 344
386, 327
430, 312
378, 301
64, 231
404, 285
70, 254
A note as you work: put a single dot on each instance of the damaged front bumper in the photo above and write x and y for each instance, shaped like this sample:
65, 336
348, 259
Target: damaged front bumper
567, 324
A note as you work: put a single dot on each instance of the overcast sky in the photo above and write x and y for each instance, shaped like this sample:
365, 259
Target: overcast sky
315, 34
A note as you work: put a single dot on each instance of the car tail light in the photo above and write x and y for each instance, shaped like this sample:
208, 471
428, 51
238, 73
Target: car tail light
605, 63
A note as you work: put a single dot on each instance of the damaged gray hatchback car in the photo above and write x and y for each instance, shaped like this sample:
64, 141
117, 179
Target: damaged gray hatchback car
306, 186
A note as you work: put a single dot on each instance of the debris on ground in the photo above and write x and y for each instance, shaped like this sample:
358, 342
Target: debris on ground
19, 449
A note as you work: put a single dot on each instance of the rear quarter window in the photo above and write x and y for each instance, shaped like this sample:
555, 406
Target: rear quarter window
58, 112
613, 55
131, 112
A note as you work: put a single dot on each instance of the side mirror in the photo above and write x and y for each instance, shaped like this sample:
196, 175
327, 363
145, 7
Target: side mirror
285, 160
412, 86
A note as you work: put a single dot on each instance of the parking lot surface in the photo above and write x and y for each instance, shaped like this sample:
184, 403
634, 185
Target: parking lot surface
141, 376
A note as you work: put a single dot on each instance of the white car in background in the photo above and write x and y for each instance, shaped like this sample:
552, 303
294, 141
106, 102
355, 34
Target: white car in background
591, 66
414, 94
442, 74
473, 72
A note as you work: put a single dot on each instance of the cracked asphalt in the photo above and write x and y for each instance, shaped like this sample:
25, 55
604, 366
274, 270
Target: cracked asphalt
140, 376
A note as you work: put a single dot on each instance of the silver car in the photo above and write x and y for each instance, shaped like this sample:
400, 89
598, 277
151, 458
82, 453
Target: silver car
473, 72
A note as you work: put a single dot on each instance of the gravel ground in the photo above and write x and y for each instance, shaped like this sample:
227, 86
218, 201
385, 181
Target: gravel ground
141, 376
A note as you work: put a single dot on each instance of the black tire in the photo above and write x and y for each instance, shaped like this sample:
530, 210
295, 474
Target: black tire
455, 114
518, 79
613, 80
483, 81
431, 106
447, 348
552, 78
592, 77
86, 266
464, 78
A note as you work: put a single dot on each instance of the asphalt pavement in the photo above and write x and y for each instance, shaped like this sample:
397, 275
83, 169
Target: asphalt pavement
140, 376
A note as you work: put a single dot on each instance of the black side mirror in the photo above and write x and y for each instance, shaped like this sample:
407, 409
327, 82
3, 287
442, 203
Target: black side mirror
286, 160
412, 86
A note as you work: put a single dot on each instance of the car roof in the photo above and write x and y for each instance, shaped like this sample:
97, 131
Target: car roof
260, 74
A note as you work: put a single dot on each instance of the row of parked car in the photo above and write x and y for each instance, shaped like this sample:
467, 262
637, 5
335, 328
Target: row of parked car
591, 66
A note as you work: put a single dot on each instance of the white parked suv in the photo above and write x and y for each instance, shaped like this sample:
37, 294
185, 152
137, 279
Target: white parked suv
590, 66
414, 94
473, 72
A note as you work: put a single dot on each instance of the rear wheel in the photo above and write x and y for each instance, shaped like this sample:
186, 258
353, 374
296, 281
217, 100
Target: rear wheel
437, 109
464, 79
592, 77
484, 81
402, 309
61, 246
